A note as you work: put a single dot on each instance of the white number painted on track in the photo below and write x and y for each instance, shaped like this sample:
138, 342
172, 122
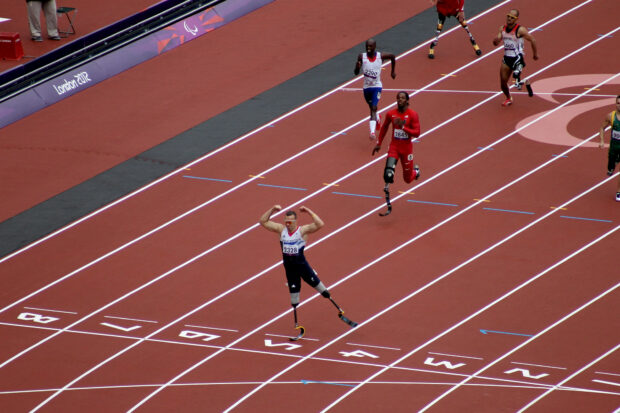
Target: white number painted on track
195, 334
526, 373
358, 353
125, 329
430, 362
287, 346
37, 318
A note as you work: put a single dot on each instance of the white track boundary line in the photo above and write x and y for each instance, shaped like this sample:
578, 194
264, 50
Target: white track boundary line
275, 265
556, 387
479, 92
547, 329
428, 285
238, 234
238, 140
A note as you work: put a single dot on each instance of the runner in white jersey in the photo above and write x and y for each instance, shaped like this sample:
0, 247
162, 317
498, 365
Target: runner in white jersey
370, 64
513, 35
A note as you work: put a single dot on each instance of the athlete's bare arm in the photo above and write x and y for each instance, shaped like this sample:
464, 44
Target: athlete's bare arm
268, 224
317, 223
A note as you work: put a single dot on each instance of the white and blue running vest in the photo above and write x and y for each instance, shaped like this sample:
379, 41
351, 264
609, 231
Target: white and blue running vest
292, 245
372, 71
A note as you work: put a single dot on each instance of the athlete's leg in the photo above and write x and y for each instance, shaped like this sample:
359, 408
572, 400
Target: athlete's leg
441, 19
463, 22
388, 173
310, 276
504, 75
293, 281
411, 171
372, 96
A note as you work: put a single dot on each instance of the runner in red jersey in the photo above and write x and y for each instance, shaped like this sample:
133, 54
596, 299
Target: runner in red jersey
451, 8
405, 126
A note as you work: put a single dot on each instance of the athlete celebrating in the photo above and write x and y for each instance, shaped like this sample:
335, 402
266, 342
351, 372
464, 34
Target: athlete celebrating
449, 8
512, 34
370, 65
613, 157
405, 125
293, 240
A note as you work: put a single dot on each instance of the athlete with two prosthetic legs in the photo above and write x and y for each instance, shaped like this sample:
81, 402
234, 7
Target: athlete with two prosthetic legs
405, 126
293, 240
451, 8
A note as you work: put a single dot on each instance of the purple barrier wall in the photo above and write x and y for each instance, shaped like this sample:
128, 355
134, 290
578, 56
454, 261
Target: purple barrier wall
113, 63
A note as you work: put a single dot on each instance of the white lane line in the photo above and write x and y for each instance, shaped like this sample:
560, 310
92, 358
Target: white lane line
609, 374
587, 366
539, 365
611, 383
129, 319
528, 341
370, 346
456, 355
51, 311
254, 177
212, 328
283, 336
479, 92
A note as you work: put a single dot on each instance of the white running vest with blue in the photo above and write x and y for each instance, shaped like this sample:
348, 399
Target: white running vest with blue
292, 244
513, 45
372, 71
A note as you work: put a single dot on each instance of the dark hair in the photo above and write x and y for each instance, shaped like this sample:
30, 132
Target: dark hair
406, 94
291, 213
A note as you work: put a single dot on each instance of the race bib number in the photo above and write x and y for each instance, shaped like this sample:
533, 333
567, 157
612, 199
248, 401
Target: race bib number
400, 134
290, 249
370, 73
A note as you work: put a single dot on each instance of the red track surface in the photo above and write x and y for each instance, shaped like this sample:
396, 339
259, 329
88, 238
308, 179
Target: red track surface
422, 282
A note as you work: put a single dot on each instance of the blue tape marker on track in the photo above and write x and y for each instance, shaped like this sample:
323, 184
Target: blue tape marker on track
206, 179
429, 202
364, 196
283, 187
505, 332
509, 210
586, 219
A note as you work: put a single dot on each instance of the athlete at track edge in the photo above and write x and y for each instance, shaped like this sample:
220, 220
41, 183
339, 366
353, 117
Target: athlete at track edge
512, 34
370, 65
293, 240
613, 157
451, 8
405, 125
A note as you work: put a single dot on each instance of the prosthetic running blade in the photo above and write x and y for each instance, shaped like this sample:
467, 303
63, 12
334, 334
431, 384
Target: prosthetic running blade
302, 331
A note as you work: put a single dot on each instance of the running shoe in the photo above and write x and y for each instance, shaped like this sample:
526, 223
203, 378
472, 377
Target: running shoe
373, 137
610, 172
618, 196
507, 102
416, 168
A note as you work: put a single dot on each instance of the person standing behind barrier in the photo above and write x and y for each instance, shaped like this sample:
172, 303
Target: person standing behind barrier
614, 143
34, 18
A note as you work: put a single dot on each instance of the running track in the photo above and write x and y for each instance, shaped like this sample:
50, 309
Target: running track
491, 287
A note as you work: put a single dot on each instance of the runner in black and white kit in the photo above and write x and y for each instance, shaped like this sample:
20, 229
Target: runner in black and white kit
513, 34
293, 240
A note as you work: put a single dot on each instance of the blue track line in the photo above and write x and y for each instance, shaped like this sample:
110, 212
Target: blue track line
364, 196
283, 187
429, 202
586, 219
509, 210
206, 179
